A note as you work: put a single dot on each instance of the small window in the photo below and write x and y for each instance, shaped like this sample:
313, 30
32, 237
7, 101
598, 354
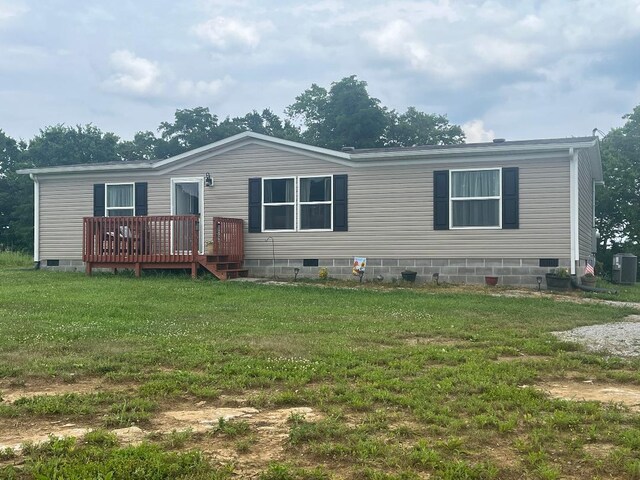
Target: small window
310, 262
549, 262
119, 200
278, 204
475, 198
316, 203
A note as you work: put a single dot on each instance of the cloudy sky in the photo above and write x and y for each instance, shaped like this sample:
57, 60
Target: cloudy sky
514, 69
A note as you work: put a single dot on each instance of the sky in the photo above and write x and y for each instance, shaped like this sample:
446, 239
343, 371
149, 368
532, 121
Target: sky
509, 69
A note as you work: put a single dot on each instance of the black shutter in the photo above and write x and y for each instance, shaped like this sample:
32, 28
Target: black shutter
510, 198
340, 204
255, 205
141, 198
98, 200
441, 200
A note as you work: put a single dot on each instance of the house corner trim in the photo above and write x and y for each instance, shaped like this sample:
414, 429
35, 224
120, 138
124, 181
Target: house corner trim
36, 218
574, 207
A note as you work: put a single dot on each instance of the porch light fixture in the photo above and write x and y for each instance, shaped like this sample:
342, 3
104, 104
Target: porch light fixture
208, 181
539, 280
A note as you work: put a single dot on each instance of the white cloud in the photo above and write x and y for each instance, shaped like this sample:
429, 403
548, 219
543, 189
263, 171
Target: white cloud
12, 9
475, 132
225, 33
502, 53
399, 41
133, 75
202, 88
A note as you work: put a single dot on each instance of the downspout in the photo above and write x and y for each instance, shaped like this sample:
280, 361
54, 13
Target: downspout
594, 236
573, 208
36, 219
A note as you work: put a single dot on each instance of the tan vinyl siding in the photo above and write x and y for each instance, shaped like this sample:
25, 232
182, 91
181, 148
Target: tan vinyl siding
585, 207
390, 208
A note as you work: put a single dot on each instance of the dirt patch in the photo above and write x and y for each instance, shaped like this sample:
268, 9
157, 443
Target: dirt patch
628, 395
265, 442
522, 358
444, 341
599, 450
10, 393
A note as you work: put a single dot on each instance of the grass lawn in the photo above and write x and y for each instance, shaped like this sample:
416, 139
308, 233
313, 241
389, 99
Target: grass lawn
364, 382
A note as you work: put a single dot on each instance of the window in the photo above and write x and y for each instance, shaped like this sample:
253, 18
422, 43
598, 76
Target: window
315, 203
476, 198
278, 204
119, 200
298, 204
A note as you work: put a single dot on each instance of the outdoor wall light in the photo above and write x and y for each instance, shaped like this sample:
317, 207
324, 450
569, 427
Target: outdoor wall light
296, 271
208, 181
539, 280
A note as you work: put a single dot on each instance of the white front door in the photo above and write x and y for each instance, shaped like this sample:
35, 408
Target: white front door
187, 198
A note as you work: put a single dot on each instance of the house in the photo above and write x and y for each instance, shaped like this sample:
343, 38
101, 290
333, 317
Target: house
512, 209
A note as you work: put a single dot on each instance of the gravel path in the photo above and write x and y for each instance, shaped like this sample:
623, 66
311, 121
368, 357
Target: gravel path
620, 339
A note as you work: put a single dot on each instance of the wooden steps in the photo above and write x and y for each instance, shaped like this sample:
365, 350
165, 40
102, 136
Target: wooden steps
222, 267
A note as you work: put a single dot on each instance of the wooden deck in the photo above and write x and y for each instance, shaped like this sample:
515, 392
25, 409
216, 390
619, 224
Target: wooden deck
161, 242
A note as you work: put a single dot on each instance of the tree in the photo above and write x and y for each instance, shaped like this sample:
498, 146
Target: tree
347, 116
618, 203
344, 116
414, 128
63, 145
9, 153
144, 146
267, 123
191, 128
16, 198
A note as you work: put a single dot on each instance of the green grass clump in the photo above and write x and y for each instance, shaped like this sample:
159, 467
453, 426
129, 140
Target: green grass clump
69, 460
9, 259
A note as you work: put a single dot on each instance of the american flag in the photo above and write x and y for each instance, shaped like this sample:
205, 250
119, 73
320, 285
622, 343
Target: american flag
589, 268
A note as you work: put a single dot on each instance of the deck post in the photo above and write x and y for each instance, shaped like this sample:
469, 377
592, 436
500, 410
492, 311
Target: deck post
138, 269
194, 270
87, 268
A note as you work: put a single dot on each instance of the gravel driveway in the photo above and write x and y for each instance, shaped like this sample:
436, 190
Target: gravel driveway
620, 339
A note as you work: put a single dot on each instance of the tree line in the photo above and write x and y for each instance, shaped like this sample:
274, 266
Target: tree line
343, 115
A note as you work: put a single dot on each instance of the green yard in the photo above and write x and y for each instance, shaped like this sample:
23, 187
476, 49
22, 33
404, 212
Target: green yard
325, 382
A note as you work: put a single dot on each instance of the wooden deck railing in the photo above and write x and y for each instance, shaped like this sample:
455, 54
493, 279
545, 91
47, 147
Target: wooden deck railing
148, 239
228, 238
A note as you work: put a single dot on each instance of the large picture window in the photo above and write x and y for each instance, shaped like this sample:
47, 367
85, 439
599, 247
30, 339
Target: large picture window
119, 200
475, 198
315, 203
278, 204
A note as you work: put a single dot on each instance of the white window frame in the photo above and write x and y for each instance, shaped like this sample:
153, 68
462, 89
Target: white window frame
106, 198
294, 203
452, 199
301, 203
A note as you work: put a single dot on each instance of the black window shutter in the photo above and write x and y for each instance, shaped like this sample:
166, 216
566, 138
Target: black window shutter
340, 204
441, 200
98, 200
510, 198
141, 198
255, 205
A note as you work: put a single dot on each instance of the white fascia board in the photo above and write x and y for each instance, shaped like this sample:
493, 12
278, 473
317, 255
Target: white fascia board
481, 150
94, 167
